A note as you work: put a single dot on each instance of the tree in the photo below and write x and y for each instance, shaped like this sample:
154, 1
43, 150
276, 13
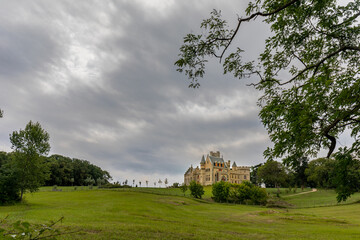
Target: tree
320, 172
254, 178
140, 183
221, 191
30, 146
272, 174
347, 174
147, 182
89, 181
166, 182
196, 189
299, 168
1, 113
133, 182
308, 73
160, 182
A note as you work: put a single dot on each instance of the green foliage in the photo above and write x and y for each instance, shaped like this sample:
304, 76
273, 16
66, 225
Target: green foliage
196, 189
320, 172
298, 168
248, 193
347, 174
308, 73
89, 181
254, 178
244, 193
65, 171
273, 174
25, 230
27, 161
221, 191
9, 187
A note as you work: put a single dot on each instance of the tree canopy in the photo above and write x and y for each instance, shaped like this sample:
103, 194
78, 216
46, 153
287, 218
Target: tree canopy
308, 73
28, 164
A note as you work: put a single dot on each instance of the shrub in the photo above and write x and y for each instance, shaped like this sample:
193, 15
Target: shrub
196, 189
9, 188
248, 193
221, 191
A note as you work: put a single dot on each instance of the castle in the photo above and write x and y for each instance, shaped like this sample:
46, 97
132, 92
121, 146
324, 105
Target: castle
214, 169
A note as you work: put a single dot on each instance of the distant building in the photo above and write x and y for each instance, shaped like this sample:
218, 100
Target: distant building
213, 169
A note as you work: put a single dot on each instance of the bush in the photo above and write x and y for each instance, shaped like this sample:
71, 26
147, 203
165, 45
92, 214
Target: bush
221, 191
176, 185
248, 193
244, 193
9, 189
196, 189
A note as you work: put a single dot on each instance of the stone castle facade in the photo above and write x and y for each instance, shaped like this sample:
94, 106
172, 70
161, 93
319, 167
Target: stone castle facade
213, 169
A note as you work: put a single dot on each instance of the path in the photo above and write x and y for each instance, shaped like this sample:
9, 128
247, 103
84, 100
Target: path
312, 190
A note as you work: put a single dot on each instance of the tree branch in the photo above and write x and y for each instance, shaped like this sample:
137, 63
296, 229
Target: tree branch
333, 124
252, 16
317, 65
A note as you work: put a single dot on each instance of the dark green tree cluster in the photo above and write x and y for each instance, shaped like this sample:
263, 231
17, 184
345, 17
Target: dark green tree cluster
244, 193
308, 73
65, 171
196, 189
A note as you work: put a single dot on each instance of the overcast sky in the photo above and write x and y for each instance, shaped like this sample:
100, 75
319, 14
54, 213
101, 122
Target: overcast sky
99, 76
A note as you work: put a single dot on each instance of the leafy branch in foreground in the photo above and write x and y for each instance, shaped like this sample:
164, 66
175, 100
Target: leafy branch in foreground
24, 230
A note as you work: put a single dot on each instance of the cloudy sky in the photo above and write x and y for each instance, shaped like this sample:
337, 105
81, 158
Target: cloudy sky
99, 76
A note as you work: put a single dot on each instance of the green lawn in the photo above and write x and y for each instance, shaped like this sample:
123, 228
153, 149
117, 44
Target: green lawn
119, 214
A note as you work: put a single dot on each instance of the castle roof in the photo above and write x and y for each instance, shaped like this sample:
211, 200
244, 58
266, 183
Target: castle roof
202, 160
216, 159
234, 164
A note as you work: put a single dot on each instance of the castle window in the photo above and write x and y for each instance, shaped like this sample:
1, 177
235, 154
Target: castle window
244, 176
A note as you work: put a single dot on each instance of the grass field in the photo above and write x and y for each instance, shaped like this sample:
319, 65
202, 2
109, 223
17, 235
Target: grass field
133, 214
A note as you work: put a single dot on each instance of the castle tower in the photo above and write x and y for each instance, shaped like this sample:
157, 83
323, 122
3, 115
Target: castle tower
202, 162
234, 166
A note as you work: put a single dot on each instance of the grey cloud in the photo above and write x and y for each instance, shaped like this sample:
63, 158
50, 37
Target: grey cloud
106, 89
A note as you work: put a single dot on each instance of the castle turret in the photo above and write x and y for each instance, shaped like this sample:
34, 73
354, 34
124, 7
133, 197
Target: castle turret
202, 162
234, 166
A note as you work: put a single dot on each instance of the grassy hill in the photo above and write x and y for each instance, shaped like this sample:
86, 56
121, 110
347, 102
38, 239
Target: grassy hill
124, 214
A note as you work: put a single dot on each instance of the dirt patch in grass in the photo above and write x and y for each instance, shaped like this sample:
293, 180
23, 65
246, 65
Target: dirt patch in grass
278, 203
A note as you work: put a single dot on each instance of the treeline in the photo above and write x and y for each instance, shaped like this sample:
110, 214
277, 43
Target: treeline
341, 172
65, 171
